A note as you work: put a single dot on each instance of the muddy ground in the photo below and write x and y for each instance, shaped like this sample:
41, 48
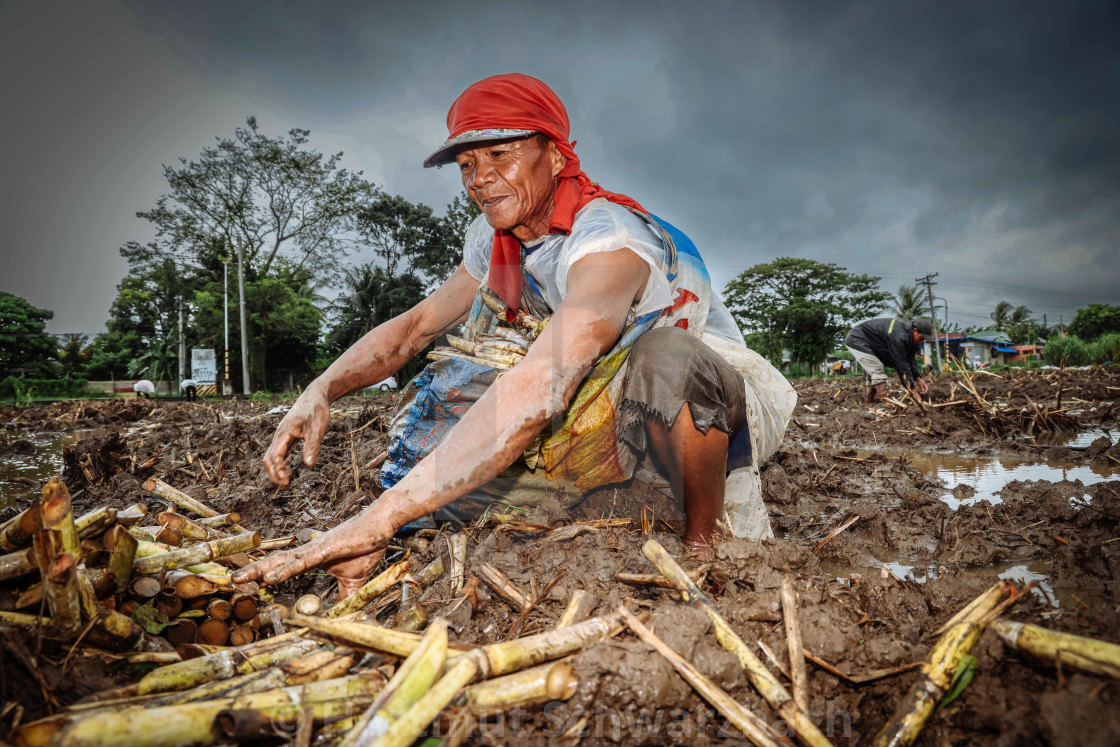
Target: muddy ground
870, 598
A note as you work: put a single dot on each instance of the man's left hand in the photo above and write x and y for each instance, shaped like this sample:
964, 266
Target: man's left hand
922, 387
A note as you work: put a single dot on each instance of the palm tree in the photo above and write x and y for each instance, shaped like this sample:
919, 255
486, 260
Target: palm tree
1002, 314
908, 303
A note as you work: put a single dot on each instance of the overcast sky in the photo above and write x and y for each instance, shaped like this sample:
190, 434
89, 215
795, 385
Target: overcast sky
979, 140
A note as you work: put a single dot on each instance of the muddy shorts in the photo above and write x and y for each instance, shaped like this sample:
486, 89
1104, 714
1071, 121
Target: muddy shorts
873, 371
666, 368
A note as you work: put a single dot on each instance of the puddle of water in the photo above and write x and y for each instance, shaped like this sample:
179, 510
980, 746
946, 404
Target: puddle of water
988, 476
1057, 599
40, 465
1078, 440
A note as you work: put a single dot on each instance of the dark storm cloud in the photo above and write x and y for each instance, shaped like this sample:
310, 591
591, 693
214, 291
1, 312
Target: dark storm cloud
978, 140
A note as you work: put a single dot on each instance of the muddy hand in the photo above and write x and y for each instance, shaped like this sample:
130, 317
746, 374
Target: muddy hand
306, 421
352, 573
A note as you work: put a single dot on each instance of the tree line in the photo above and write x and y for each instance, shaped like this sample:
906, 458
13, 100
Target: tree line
291, 216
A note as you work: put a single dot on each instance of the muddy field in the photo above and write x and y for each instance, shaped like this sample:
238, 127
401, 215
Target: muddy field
1011, 475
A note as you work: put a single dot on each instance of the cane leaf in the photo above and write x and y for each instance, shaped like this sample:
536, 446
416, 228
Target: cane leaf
149, 618
966, 670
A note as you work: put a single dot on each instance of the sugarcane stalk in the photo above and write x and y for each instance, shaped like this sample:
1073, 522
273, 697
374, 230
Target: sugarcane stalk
581, 605
308, 604
411, 615
278, 543
248, 724
122, 551
212, 631
132, 515
760, 676
60, 581
182, 500
224, 664
95, 522
23, 620
19, 531
492, 660
509, 656
58, 514
170, 536
411, 681
242, 635
315, 667
113, 631
187, 528
934, 679
362, 635
16, 564
192, 723
798, 676
181, 630
412, 722
244, 606
457, 556
979, 607
753, 727
1065, 649
503, 587
147, 549
220, 521
547, 682
187, 585
430, 573
200, 553
373, 588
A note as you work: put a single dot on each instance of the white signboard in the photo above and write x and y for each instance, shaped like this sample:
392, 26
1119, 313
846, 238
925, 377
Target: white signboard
204, 366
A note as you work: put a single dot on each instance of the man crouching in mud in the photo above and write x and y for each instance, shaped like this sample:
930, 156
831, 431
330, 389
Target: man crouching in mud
630, 362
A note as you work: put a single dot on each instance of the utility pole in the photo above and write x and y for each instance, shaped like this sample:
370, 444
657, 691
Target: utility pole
226, 389
927, 281
244, 323
182, 349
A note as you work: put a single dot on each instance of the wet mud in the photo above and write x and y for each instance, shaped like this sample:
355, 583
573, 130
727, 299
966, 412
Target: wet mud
1007, 484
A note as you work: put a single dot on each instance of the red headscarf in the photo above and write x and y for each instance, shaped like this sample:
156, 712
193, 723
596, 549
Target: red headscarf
516, 101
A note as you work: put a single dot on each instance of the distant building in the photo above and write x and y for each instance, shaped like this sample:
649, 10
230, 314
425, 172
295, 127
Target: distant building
986, 348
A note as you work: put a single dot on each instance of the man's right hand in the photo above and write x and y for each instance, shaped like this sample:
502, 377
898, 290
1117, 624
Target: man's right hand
306, 421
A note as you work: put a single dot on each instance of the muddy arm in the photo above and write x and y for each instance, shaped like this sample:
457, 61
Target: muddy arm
497, 428
388, 346
378, 354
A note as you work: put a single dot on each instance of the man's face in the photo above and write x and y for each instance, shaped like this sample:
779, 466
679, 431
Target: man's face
513, 182
918, 337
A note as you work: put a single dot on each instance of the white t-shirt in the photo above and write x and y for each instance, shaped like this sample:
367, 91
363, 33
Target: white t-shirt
602, 226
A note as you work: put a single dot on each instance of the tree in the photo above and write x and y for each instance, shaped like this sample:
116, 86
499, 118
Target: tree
270, 198
410, 239
1001, 314
74, 354
801, 305
1095, 320
908, 303
25, 346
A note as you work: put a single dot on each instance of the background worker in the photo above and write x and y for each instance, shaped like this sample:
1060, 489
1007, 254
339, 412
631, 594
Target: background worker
189, 388
144, 388
889, 341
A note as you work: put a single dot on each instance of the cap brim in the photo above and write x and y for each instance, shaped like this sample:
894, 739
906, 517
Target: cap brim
446, 153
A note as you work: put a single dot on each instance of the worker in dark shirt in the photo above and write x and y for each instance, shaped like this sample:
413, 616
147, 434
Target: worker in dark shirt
889, 342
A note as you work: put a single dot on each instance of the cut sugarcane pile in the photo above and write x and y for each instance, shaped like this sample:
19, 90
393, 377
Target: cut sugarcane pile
107, 580
504, 346
340, 676
999, 419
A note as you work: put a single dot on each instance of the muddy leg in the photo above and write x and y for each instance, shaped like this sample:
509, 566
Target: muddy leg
697, 467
